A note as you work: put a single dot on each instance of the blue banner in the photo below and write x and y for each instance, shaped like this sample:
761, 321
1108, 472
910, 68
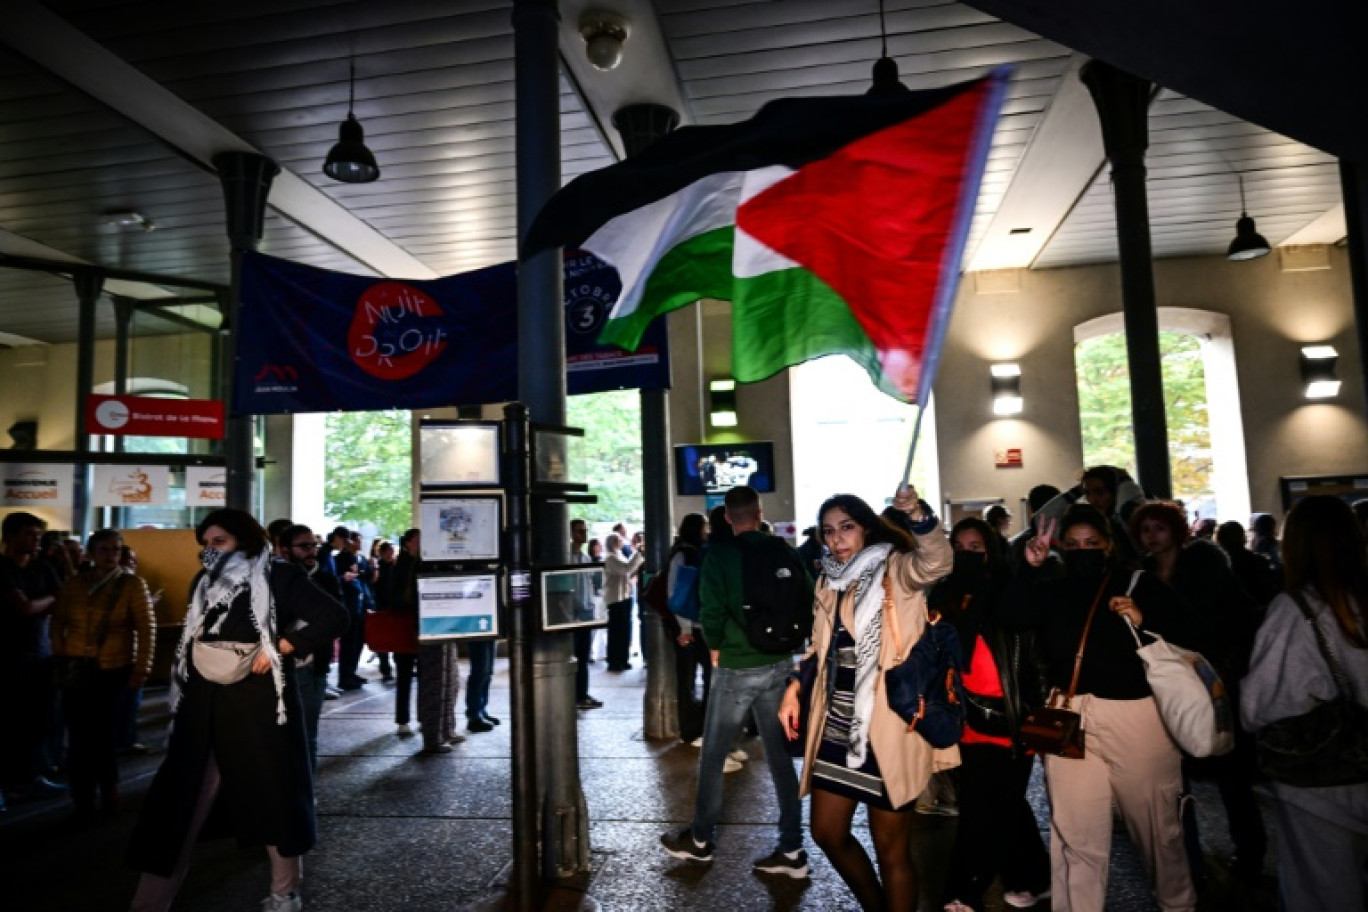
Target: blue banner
311, 340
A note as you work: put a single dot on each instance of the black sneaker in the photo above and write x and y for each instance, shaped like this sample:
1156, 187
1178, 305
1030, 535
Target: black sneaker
478, 725
683, 845
789, 864
589, 703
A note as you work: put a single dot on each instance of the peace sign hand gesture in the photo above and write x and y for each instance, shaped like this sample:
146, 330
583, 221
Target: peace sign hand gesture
1038, 548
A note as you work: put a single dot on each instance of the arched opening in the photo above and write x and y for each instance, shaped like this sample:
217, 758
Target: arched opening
1202, 406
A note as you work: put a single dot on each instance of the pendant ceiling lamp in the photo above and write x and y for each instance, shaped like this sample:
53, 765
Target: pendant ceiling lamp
886, 80
1248, 243
350, 161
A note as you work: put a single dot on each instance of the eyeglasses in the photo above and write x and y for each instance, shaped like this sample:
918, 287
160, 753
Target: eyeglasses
305, 546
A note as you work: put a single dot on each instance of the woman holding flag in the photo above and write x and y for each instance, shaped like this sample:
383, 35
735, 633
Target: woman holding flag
857, 749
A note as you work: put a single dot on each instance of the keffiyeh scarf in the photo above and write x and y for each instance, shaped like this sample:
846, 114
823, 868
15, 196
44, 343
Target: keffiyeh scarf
863, 577
217, 589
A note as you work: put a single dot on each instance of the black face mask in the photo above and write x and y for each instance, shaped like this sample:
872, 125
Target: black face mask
970, 565
1086, 563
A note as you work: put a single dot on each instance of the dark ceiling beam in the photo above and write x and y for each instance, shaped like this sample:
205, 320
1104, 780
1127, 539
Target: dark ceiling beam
61, 267
1289, 70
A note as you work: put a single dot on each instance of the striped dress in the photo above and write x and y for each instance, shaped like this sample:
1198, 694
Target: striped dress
829, 770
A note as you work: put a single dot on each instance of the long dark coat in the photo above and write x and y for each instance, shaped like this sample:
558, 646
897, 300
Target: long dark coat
267, 792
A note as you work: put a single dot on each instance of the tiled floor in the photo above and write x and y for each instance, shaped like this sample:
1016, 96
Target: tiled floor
400, 831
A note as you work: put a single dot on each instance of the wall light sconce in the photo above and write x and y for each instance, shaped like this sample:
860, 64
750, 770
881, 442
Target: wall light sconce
1318, 371
350, 161
1007, 389
722, 403
604, 34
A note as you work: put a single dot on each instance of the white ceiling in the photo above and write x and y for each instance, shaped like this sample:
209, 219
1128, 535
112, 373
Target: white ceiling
111, 105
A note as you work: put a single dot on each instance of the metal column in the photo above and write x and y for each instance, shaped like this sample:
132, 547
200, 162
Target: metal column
89, 284
641, 125
541, 386
246, 179
1122, 102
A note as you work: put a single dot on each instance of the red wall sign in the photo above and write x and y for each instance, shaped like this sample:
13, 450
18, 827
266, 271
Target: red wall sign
1008, 459
145, 416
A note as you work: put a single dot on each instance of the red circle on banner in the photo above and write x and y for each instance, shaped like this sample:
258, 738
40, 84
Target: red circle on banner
391, 337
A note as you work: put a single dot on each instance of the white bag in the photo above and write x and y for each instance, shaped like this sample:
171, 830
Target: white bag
1193, 701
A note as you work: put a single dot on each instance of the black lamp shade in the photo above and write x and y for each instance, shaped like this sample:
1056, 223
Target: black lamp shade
1248, 243
350, 161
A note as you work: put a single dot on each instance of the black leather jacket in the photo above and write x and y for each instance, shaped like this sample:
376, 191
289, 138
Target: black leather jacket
1022, 669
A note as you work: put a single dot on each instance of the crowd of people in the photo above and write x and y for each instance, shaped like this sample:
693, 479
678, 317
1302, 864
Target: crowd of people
1047, 611
1026, 613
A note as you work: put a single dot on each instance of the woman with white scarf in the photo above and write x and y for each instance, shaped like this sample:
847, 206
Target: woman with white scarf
237, 759
858, 750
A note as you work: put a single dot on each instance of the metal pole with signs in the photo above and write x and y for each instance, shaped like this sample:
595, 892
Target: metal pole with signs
477, 482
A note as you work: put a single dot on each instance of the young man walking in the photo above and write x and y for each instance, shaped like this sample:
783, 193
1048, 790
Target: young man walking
747, 681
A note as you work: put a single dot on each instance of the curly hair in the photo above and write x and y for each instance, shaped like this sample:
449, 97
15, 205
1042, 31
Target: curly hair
1166, 512
251, 538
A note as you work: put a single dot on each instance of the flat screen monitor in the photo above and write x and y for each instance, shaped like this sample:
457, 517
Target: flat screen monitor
458, 454
716, 468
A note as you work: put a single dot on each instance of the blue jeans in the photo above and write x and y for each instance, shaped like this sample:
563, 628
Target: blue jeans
477, 685
735, 693
312, 689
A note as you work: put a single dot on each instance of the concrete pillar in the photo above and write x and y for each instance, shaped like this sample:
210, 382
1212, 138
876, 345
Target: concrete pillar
1122, 102
246, 178
1354, 182
641, 125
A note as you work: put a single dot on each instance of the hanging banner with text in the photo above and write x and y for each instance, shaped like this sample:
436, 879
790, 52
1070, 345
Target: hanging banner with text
151, 416
206, 486
36, 484
313, 340
129, 486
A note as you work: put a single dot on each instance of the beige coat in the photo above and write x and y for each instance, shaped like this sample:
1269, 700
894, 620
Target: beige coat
617, 575
905, 759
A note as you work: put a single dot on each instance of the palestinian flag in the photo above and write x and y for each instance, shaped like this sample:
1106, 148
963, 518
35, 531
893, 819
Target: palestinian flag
832, 224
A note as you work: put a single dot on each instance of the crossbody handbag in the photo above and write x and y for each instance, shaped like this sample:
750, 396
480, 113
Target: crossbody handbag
1326, 746
224, 661
1055, 728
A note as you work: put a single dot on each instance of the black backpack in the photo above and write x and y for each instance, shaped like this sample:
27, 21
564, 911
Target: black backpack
776, 610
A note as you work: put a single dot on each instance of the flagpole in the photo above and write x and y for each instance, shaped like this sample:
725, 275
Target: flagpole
912, 450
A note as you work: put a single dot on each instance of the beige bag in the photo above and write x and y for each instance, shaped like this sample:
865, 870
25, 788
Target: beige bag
224, 662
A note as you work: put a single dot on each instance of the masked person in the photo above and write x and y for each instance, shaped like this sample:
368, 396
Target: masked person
237, 745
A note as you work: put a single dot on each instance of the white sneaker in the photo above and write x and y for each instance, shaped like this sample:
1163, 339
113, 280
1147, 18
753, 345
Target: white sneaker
731, 766
1024, 899
738, 755
289, 902
404, 730
697, 742
955, 905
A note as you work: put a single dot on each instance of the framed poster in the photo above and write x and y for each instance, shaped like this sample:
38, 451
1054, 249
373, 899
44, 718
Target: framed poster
458, 454
460, 528
572, 597
457, 606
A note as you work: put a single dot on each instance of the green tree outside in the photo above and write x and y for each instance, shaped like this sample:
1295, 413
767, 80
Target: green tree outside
608, 456
368, 471
1104, 406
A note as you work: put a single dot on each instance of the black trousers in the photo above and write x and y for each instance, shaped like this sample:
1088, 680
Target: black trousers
404, 664
584, 636
998, 833
689, 660
92, 717
353, 638
619, 635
